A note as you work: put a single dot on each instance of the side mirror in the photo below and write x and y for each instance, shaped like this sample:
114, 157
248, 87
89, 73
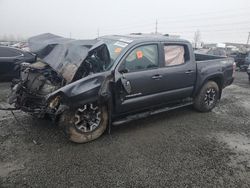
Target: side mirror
124, 82
123, 71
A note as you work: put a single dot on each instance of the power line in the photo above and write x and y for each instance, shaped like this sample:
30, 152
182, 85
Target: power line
190, 30
198, 16
216, 30
185, 19
216, 12
149, 25
218, 25
217, 18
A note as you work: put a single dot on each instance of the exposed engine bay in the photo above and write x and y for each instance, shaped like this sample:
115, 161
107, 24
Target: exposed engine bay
37, 80
63, 63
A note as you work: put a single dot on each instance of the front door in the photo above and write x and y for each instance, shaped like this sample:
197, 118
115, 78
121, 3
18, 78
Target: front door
138, 79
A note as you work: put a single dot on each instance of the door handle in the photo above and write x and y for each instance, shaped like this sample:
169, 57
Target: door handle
156, 77
189, 72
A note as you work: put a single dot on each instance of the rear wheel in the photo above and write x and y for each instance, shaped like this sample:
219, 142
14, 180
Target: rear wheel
85, 123
207, 98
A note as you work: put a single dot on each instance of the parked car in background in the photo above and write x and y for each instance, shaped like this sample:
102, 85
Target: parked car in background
10, 60
239, 58
217, 52
248, 72
245, 66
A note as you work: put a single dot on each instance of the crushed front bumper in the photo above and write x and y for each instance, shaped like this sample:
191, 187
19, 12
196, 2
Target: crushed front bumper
26, 101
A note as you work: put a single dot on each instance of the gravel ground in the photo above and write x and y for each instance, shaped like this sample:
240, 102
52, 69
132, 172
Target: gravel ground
181, 148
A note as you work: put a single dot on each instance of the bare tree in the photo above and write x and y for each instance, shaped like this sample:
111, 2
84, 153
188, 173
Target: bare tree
197, 38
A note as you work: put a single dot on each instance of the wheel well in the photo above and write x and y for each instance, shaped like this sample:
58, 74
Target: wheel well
218, 81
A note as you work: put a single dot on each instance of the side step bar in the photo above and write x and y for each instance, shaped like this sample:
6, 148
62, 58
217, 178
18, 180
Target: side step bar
149, 113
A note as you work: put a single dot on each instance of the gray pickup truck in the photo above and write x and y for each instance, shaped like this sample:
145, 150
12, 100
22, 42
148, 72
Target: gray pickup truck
88, 85
248, 72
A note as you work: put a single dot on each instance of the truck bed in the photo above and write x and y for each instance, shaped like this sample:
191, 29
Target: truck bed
205, 57
214, 65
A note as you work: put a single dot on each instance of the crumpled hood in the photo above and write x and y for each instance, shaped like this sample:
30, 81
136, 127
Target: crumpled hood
64, 55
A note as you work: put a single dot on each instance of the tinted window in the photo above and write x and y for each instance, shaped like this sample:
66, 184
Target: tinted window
9, 52
141, 58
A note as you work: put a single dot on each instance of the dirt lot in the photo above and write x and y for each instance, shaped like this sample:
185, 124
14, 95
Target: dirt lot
182, 148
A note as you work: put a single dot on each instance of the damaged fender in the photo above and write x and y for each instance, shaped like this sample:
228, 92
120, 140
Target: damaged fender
86, 90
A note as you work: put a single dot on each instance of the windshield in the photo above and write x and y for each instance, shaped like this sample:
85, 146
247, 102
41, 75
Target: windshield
115, 47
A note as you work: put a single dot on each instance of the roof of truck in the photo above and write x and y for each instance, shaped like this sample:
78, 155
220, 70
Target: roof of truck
143, 38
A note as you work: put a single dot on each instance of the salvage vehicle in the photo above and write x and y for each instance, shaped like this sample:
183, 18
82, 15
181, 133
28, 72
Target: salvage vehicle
88, 85
239, 58
248, 72
247, 62
217, 52
10, 60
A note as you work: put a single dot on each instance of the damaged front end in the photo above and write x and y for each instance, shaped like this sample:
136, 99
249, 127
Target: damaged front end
68, 73
36, 82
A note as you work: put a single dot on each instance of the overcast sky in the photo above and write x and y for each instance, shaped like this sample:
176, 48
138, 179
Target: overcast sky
217, 20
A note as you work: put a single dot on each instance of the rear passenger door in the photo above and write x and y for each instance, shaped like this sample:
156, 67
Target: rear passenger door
178, 72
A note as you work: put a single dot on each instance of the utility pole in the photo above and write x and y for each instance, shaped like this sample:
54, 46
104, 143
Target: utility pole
70, 35
248, 39
156, 26
197, 38
98, 33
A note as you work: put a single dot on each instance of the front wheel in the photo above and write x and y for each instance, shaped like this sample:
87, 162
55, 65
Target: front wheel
85, 123
207, 98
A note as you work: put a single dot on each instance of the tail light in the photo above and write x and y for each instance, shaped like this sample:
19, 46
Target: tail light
234, 69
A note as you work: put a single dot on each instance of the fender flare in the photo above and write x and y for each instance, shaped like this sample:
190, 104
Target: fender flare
217, 78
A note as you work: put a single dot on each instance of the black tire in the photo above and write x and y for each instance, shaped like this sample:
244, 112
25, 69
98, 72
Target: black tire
68, 122
207, 98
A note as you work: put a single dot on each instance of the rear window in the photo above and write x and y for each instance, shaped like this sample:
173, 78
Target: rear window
175, 55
